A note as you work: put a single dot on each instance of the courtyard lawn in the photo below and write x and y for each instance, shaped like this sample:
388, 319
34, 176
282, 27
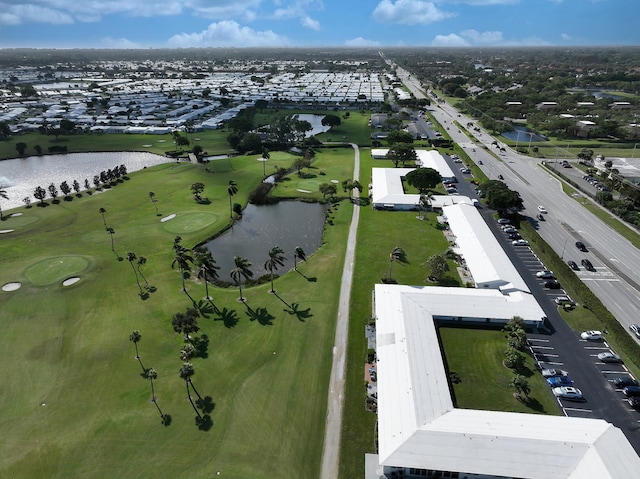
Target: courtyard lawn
474, 357
73, 402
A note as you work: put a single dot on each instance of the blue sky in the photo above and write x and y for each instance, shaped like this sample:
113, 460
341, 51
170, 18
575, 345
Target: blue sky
316, 23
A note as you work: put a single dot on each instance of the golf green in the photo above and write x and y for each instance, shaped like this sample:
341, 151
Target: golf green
189, 222
56, 269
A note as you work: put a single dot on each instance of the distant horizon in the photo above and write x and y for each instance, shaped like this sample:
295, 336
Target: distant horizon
162, 24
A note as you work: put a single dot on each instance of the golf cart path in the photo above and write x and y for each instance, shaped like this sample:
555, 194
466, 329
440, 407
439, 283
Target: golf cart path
331, 450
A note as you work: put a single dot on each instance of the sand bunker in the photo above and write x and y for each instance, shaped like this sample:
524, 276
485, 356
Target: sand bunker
167, 218
70, 281
335, 181
11, 286
15, 214
147, 146
303, 191
5, 231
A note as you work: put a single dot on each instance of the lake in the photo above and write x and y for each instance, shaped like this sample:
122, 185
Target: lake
286, 224
20, 176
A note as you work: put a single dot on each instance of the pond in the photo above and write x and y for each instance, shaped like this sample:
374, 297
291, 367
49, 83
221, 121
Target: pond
286, 224
523, 135
316, 124
20, 176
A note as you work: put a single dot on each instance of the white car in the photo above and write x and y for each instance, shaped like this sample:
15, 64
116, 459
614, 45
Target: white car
520, 242
609, 357
591, 335
567, 392
545, 274
550, 373
542, 209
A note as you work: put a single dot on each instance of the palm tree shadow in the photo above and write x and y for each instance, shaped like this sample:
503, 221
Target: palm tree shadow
228, 317
204, 423
206, 405
312, 279
166, 420
204, 308
261, 315
201, 343
301, 314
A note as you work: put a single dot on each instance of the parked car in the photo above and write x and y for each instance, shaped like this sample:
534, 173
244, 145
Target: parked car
573, 265
542, 209
514, 236
580, 245
609, 357
591, 335
504, 221
558, 381
519, 242
509, 229
466, 171
587, 265
552, 284
634, 402
623, 381
564, 300
635, 328
567, 392
631, 391
546, 274
549, 373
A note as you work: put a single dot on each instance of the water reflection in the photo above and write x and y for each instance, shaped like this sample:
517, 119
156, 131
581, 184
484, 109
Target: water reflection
20, 176
286, 224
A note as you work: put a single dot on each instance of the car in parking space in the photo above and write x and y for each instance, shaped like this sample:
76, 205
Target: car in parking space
573, 265
552, 284
549, 373
609, 357
587, 265
634, 402
513, 236
564, 300
592, 335
631, 391
546, 274
520, 242
635, 328
558, 381
508, 229
580, 245
568, 392
504, 221
466, 171
623, 381
542, 209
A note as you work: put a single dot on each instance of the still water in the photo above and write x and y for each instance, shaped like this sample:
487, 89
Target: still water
286, 224
20, 176
523, 135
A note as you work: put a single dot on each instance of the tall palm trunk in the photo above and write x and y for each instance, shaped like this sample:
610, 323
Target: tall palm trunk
240, 287
191, 400
194, 389
153, 392
136, 273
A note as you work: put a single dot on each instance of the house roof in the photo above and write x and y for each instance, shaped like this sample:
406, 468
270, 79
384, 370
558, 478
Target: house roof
420, 427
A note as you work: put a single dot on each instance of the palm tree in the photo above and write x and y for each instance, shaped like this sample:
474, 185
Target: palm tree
232, 189
241, 271
102, 212
187, 352
3, 194
265, 157
152, 197
151, 374
111, 232
186, 371
182, 259
298, 253
135, 338
142, 261
131, 257
397, 255
276, 259
207, 267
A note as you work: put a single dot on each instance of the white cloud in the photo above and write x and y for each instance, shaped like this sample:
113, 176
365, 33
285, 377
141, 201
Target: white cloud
408, 12
361, 42
31, 13
483, 38
227, 34
565, 37
309, 22
118, 43
484, 2
451, 40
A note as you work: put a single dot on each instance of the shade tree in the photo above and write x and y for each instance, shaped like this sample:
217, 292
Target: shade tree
241, 271
423, 179
276, 260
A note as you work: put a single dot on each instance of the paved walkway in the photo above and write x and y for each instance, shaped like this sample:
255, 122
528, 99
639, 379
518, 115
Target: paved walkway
331, 451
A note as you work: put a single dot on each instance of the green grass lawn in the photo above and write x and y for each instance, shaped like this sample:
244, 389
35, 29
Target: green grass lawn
475, 356
73, 402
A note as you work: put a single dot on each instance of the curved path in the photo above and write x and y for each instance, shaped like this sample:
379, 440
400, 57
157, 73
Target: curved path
331, 450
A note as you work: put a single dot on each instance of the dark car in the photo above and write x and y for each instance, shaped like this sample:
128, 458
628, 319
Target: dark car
623, 381
552, 284
514, 236
573, 265
634, 402
587, 264
540, 217
631, 391
580, 245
